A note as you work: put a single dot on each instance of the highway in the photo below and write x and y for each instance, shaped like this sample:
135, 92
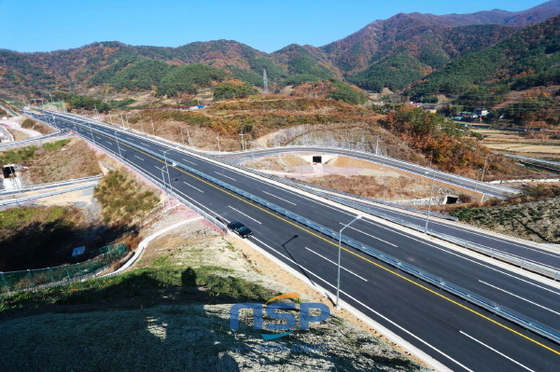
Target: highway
524, 250
459, 335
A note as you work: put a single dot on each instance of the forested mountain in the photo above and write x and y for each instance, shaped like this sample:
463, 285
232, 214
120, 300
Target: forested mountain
529, 58
406, 50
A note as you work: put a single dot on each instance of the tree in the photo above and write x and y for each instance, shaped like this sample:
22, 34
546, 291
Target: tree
233, 89
344, 92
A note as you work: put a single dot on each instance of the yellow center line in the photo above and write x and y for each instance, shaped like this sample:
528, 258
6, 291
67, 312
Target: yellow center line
356, 254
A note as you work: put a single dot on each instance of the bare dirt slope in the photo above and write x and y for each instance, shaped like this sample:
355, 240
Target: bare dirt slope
145, 328
354, 176
74, 160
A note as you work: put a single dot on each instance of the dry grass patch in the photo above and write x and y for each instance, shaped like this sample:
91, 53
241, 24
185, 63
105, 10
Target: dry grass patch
17, 134
377, 187
53, 162
123, 198
533, 215
36, 126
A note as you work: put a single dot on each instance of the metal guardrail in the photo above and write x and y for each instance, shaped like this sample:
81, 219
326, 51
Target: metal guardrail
471, 297
523, 263
46, 137
330, 194
41, 196
34, 187
417, 169
506, 257
162, 184
534, 160
522, 320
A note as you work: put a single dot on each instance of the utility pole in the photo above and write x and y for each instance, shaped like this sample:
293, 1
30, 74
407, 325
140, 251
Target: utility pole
483, 169
153, 128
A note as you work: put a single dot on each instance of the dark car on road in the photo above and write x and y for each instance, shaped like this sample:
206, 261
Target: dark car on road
240, 229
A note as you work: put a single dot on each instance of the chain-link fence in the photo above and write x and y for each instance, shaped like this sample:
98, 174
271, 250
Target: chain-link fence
26, 279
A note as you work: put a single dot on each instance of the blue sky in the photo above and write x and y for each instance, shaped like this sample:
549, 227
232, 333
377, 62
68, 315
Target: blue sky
267, 25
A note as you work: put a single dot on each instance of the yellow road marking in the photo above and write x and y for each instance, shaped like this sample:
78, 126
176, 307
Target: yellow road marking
358, 255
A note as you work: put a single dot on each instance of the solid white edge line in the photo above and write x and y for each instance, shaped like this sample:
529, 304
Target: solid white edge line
238, 211
334, 263
431, 361
497, 352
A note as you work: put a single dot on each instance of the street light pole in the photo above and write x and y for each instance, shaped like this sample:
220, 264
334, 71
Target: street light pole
163, 179
430, 202
167, 169
92, 136
339, 254
118, 144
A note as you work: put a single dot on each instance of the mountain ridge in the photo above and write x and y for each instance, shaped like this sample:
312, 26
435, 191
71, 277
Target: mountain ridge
392, 53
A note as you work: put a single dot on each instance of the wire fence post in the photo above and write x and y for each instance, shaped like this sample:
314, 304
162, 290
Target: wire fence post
5, 281
51, 274
30, 277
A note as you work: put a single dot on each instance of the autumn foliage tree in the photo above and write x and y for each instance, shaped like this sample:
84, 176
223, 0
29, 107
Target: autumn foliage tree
443, 142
